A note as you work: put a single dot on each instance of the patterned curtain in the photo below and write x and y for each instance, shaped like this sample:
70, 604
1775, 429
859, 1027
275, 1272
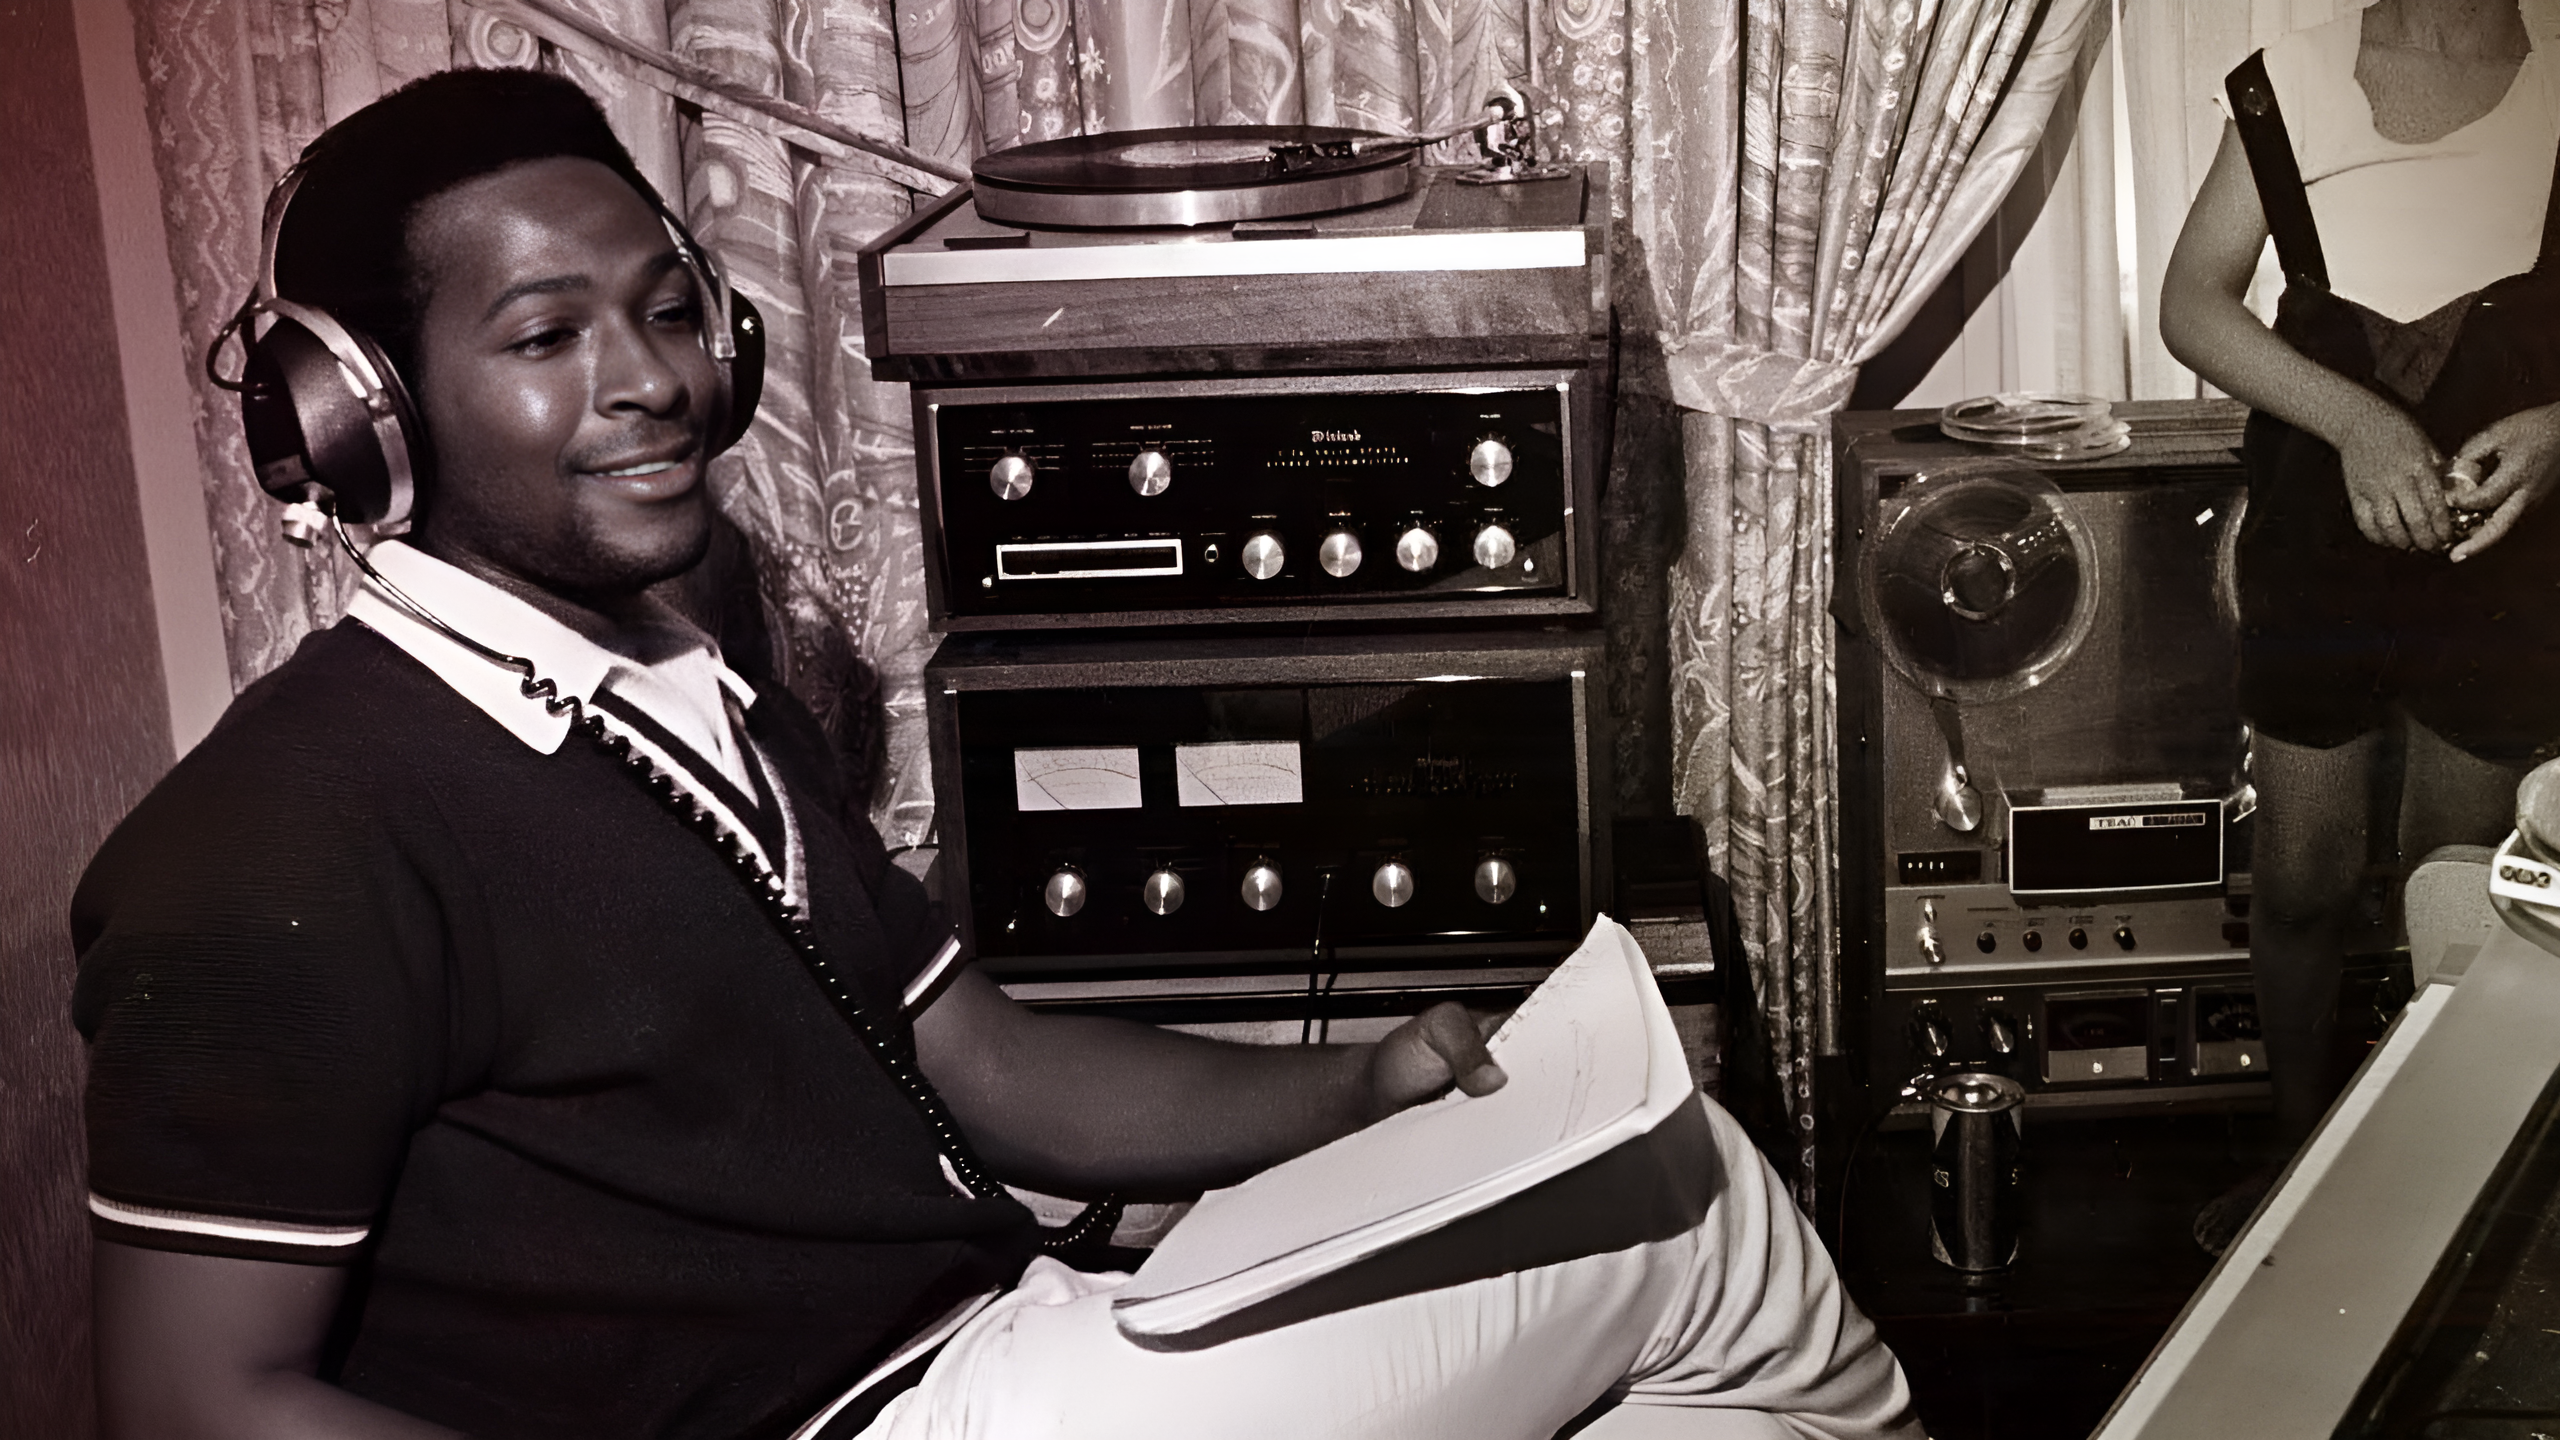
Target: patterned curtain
1791, 178
1813, 170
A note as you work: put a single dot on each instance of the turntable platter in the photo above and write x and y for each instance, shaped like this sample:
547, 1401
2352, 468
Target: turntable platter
1194, 175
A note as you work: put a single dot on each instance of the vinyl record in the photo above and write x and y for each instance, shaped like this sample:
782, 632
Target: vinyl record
1192, 175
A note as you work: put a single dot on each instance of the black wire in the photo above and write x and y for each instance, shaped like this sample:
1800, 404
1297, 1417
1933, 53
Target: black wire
1315, 963
767, 889
1848, 1173
1849, 1168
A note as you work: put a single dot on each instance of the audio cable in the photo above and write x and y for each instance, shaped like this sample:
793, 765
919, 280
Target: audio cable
771, 895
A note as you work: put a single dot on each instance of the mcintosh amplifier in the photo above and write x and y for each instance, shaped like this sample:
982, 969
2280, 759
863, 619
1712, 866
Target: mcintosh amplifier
1233, 804
2044, 789
1394, 410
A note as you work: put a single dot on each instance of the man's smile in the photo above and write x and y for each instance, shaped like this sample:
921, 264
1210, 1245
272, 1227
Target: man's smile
658, 476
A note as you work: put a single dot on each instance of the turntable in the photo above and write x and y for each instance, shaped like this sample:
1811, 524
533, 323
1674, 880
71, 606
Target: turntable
1191, 251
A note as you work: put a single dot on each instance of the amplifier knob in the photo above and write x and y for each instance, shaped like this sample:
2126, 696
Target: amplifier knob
1489, 462
1150, 473
1496, 881
1065, 892
1393, 884
2000, 1032
1495, 547
1417, 550
1010, 477
1162, 892
1261, 888
1340, 553
1262, 555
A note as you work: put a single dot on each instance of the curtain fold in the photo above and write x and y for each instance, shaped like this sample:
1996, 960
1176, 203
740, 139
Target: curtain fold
1788, 179
1859, 129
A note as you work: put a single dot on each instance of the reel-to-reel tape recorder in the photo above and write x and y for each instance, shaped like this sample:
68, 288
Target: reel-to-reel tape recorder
2044, 781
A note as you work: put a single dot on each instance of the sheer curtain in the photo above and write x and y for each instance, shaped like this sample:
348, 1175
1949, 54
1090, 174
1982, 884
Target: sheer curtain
1792, 179
2176, 53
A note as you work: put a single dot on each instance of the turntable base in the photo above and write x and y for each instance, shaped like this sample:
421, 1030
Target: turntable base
1446, 275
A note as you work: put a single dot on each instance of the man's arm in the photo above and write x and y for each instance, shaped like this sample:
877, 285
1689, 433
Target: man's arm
1081, 1106
196, 1347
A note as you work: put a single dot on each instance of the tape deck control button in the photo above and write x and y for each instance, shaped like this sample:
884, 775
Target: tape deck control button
1150, 473
1489, 462
1162, 892
1392, 884
1261, 888
1495, 547
1262, 554
1496, 881
1065, 892
1010, 477
1417, 550
1340, 554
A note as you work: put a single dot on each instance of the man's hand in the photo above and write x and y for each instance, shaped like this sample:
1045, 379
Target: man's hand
1420, 1058
2395, 482
2506, 469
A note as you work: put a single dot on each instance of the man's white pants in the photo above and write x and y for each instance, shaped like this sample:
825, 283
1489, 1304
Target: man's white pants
1736, 1327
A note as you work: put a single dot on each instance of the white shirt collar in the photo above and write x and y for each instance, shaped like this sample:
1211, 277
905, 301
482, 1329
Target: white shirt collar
575, 665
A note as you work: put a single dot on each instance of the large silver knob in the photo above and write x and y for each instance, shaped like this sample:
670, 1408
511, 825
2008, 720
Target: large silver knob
1261, 888
1163, 891
1065, 893
1496, 881
1393, 884
1010, 477
1339, 554
1262, 555
1150, 473
1417, 550
1489, 462
1495, 547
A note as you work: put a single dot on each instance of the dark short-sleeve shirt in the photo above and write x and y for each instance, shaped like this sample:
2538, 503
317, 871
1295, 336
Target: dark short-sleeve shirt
367, 980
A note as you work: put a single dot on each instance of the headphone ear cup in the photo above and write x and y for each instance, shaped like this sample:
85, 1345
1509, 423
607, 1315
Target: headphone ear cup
746, 372
307, 425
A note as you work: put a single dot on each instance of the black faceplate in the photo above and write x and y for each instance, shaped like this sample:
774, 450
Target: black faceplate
1298, 466
1436, 775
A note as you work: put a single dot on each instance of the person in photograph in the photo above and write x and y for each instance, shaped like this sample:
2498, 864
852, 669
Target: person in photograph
472, 1054
2399, 569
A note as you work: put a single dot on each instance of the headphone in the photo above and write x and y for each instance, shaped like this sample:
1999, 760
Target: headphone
331, 426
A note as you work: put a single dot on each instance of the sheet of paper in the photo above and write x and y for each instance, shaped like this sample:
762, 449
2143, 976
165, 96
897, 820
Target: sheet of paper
1098, 778
1245, 772
1594, 1062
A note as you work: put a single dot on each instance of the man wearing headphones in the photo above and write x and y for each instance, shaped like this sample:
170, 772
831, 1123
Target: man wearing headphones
496, 1027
